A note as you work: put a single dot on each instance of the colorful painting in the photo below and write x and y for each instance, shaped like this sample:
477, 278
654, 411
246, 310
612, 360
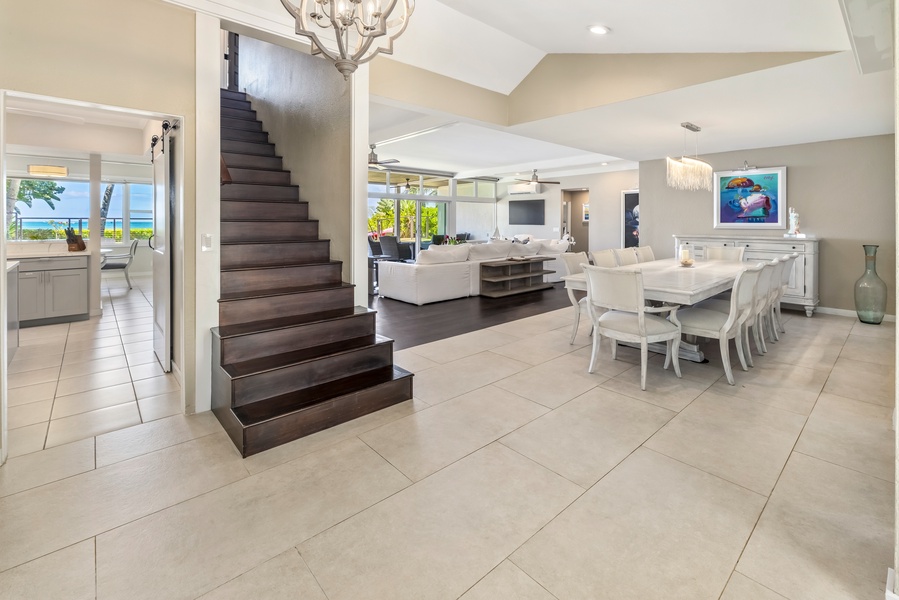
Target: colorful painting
751, 199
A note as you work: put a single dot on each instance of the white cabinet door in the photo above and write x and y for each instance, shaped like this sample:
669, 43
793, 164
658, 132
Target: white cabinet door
65, 292
31, 295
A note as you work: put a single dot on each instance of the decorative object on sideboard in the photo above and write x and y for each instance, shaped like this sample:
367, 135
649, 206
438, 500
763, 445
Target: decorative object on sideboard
356, 26
794, 226
689, 172
870, 290
753, 199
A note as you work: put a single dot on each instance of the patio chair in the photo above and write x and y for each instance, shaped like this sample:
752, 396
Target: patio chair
120, 262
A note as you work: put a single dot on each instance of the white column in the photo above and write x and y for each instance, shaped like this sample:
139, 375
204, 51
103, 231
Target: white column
93, 244
895, 589
359, 173
4, 450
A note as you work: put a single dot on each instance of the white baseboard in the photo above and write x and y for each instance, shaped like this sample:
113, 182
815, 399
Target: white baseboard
842, 312
891, 582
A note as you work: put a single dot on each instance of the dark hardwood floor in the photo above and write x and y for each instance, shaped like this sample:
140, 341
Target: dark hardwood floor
409, 325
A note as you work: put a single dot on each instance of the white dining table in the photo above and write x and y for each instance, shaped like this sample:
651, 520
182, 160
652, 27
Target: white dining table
667, 281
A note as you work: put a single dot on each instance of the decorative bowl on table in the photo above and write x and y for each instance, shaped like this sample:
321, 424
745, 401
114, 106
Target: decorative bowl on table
687, 262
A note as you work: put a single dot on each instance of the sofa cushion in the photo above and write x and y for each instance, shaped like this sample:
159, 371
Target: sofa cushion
525, 249
491, 251
447, 254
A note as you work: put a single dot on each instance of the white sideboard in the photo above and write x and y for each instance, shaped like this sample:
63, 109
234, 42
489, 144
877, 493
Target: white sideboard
803, 287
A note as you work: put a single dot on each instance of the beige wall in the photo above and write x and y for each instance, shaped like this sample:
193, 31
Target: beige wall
135, 54
842, 189
304, 104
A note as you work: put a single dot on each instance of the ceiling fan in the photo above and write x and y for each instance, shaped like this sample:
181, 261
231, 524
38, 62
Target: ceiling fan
535, 179
373, 159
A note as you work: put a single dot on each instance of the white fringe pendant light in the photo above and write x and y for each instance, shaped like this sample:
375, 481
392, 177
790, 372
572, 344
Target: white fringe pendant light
689, 173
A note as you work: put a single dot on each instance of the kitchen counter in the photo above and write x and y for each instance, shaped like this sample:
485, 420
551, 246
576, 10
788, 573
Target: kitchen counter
11, 264
56, 249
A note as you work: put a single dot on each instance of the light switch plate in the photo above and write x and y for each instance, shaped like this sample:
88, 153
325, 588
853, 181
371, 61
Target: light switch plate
206, 242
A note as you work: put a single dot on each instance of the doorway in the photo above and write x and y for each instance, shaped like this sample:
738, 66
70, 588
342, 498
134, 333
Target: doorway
76, 379
576, 217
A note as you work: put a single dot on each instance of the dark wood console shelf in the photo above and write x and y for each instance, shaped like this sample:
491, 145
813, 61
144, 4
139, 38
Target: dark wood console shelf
507, 277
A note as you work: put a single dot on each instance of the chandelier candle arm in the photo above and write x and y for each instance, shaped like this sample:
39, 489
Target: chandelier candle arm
356, 24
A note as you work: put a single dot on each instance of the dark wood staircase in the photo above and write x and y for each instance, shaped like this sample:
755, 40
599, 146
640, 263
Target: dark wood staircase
292, 353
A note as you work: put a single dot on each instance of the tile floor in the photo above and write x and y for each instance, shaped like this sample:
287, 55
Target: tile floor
78, 380
512, 474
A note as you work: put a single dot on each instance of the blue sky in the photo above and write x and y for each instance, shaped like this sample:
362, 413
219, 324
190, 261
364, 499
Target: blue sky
75, 201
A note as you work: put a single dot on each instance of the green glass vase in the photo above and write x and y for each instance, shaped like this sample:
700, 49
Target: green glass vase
870, 290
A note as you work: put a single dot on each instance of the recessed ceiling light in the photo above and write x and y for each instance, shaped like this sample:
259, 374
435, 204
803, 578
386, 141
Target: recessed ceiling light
604, 164
599, 29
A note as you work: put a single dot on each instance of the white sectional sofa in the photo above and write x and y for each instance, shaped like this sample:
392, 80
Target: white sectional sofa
448, 272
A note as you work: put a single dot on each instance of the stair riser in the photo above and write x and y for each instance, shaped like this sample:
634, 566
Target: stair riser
260, 192
239, 175
241, 123
264, 436
233, 95
264, 255
260, 137
254, 309
282, 277
239, 112
275, 211
236, 104
254, 388
269, 231
270, 343
248, 148
251, 161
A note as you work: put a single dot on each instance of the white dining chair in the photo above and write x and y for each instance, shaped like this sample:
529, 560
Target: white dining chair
755, 322
625, 256
731, 253
617, 308
604, 258
774, 290
786, 275
644, 254
574, 262
725, 326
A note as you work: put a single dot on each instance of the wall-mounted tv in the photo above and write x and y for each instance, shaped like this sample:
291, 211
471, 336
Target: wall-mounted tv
527, 212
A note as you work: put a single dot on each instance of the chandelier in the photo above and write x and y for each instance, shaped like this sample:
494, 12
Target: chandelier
357, 26
688, 173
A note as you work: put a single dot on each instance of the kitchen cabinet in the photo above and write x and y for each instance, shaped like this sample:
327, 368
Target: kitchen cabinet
12, 309
52, 290
803, 287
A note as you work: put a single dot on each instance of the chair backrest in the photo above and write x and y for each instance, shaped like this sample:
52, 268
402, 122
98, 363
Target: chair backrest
777, 274
574, 260
374, 247
438, 239
731, 253
389, 247
644, 254
625, 256
787, 274
742, 297
615, 289
764, 285
604, 258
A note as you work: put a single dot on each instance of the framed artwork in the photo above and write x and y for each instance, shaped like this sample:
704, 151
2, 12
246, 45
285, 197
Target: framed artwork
753, 199
586, 212
630, 218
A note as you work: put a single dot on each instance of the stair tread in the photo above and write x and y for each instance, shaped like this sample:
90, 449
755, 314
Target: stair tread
230, 331
260, 169
282, 291
269, 220
264, 267
273, 241
297, 357
267, 200
277, 406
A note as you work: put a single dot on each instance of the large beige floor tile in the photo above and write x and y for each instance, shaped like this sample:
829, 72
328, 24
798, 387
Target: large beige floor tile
39, 468
605, 366
285, 577
743, 442
241, 525
328, 437
507, 582
74, 404
462, 346
134, 441
44, 331
555, 382
141, 358
53, 516
26, 440
78, 346
89, 424
92, 334
145, 371
790, 387
879, 351
886, 330
159, 407
39, 342
540, 348
92, 354
431, 439
741, 587
446, 381
813, 352
20, 365
825, 533
156, 386
663, 387
652, 526
29, 352
92, 381
31, 393
28, 378
412, 362
852, 434
442, 535
584, 439
111, 363
29, 414
535, 325
64, 575
865, 381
